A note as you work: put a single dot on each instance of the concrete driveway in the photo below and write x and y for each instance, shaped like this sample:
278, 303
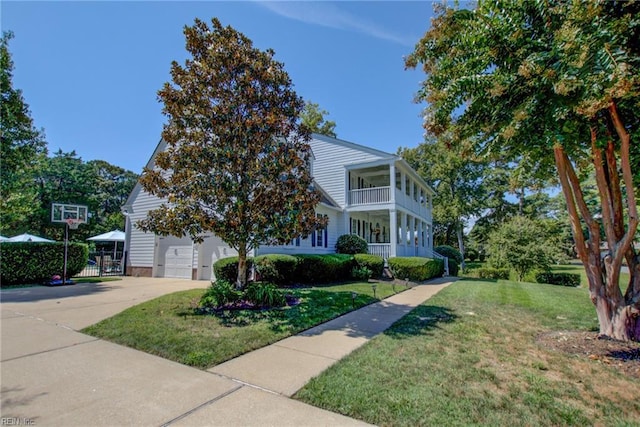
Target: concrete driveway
53, 375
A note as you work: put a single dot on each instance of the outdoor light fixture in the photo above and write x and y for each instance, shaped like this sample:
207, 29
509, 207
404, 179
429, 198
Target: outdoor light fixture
353, 299
406, 282
374, 286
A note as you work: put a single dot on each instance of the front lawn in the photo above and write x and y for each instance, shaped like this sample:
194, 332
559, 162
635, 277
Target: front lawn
471, 356
169, 327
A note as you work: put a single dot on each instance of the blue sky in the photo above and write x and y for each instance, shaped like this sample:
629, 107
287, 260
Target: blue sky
90, 71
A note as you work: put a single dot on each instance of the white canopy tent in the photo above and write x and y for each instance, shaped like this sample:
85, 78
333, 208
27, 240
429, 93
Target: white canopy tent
114, 236
26, 237
3, 239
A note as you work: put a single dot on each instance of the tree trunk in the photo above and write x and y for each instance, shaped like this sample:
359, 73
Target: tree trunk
241, 280
618, 315
461, 245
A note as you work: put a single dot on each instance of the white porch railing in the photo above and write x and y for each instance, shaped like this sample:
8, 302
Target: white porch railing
380, 249
368, 196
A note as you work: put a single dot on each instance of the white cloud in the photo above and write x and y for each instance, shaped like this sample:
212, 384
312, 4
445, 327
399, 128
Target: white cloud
329, 15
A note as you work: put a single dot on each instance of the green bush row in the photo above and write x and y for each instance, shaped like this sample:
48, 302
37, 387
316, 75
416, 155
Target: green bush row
562, 279
490, 273
416, 269
284, 270
30, 262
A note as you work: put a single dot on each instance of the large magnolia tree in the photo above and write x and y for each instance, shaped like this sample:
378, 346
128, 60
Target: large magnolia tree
555, 83
237, 161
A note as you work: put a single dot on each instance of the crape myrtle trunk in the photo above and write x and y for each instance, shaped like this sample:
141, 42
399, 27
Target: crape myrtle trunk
618, 313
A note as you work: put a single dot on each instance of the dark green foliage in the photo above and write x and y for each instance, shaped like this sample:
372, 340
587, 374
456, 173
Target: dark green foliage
351, 244
227, 268
562, 279
416, 269
264, 295
313, 269
449, 252
491, 273
361, 273
375, 263
220, 293
454, 267
278, 269
471, 254
29, 262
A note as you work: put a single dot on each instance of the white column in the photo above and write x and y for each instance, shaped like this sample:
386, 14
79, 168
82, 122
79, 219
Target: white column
393, 231
392, 182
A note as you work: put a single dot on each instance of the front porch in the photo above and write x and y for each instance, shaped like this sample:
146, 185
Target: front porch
388, 183
411, 235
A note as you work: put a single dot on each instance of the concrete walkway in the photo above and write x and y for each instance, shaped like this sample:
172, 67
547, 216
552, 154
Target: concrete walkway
53, 375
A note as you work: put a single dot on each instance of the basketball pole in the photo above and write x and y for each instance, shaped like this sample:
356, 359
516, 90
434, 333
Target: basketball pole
66, 246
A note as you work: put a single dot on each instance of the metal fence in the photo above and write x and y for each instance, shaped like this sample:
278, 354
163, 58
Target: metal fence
104, 263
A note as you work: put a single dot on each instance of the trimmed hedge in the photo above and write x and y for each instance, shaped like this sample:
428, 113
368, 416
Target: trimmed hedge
31, 262
416, 269
227, 268
561, 279
351, 244
276, 268
492, 273
315, 269
374, 263
450, 252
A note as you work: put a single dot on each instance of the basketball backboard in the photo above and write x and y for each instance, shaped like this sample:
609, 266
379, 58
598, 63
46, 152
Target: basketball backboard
61, 212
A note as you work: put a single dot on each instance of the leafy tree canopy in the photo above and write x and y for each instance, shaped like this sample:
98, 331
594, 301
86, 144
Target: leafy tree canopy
551, 85
22, 146
236, 161
313, 117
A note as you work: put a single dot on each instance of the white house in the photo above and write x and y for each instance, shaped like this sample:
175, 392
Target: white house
367, 192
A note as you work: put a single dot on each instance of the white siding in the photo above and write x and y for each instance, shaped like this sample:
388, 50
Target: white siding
142, 245
306, 246
330, 158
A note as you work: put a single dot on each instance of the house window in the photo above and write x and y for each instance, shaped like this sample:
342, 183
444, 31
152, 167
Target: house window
320, 235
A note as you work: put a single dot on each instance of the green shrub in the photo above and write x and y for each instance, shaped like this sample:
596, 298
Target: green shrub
562, 279
375, 263
227, 268
491, 273
416, 269
31, 262
278, 269
351, 244
263, 294
482, 256
220, 293
361, 273
454, 267
313, 269
449, 252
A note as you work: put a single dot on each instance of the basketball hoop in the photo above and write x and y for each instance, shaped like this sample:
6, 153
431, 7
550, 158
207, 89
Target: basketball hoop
72, 223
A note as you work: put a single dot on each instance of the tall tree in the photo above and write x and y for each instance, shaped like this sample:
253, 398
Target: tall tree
237, 160
558, 84
456, 176
313, 117
22, 146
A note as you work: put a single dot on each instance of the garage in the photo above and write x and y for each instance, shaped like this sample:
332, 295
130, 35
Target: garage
174, 257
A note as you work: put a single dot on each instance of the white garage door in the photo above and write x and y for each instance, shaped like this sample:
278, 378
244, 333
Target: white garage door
178, 262
174, 257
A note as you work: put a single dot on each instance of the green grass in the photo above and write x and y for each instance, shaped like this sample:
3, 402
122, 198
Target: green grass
169, 327
468, 356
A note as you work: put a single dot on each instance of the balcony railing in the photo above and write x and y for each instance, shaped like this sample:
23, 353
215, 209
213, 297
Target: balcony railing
380, 249
369, 196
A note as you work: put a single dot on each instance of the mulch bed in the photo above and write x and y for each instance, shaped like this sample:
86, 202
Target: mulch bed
624, 356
